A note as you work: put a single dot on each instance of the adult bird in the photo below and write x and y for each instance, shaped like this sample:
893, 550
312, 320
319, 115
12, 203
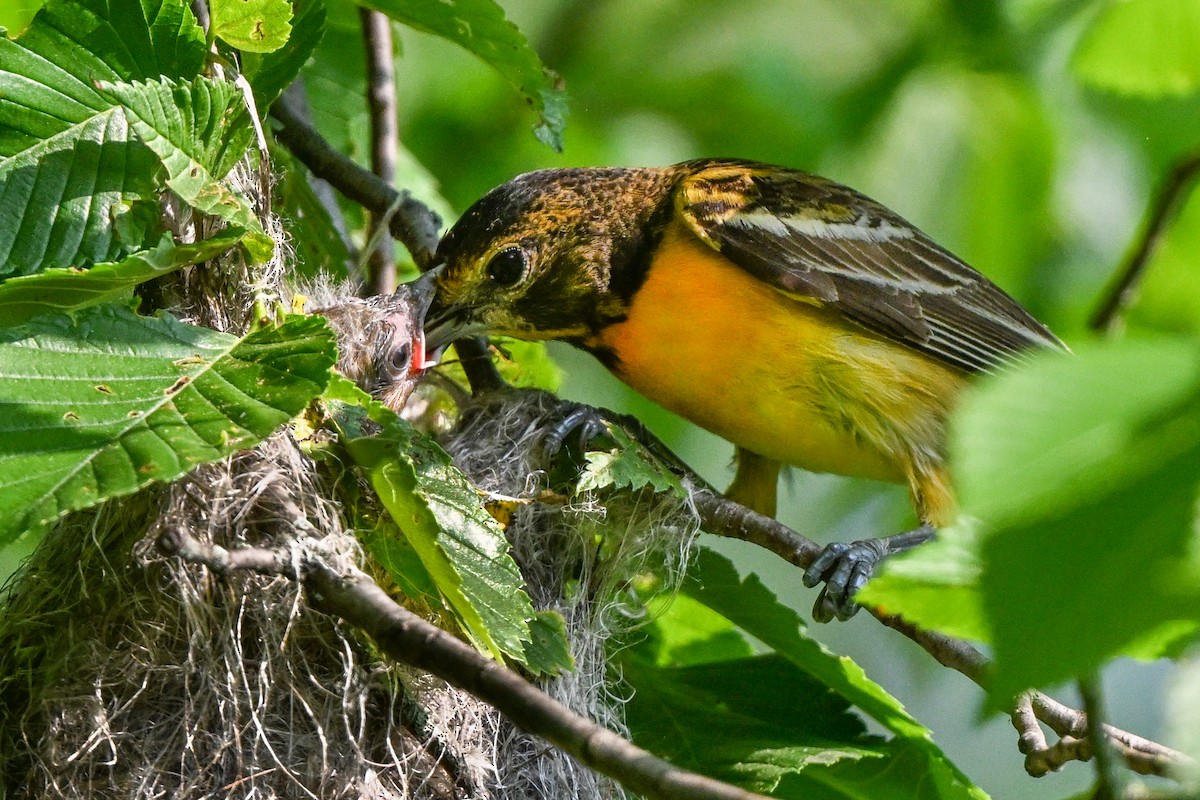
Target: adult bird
793, 316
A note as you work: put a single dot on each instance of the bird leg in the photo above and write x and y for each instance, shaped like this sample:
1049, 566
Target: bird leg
846, 568
755, 482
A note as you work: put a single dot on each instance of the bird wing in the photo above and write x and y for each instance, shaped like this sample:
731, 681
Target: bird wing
812, 238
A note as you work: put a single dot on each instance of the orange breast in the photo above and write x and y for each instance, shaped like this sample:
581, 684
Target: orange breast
776, 375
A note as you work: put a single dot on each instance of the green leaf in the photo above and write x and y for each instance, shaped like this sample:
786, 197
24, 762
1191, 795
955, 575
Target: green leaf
480, 27
687, 633
748, 604
396, 554
198, 130
773, 719
1183, 719
100, 405
15, 15
936, 585
256, 26
270, 74
528, 365
56, 290
627, 466
548, 650
72, 172
461, 546
1085, 469
1142, 47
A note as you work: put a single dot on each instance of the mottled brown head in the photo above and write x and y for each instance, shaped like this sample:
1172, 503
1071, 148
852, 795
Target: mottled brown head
548, 255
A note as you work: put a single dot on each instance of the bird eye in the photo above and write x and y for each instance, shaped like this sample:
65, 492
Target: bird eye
402, 358
507, 267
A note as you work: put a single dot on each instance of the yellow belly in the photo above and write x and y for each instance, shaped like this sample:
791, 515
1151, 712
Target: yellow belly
775, 375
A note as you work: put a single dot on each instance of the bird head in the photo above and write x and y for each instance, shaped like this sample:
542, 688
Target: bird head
534, 258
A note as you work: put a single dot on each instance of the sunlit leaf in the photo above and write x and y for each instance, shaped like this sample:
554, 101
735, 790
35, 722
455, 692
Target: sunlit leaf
73, 173
52, 290
461, 547
198, 130
256, 26
99, 405
270, 74
626, 466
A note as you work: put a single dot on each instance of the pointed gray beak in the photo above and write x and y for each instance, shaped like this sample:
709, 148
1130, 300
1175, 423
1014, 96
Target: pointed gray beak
442, 324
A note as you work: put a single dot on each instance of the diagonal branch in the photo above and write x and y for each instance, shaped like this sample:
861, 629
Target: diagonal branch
413, 224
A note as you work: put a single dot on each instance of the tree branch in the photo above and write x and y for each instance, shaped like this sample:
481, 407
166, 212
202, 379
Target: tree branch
385, 141
351, 594
1166, 206
414, 225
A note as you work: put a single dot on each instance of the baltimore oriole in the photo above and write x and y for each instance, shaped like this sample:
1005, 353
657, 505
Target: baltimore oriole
791, 315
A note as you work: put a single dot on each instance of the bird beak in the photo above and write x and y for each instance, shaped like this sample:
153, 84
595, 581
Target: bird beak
442, 324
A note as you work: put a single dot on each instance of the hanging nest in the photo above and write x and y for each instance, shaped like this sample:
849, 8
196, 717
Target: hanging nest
125, 672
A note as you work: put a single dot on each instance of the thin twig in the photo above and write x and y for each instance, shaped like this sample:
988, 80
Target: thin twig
1167, 204
351, 594
385, 139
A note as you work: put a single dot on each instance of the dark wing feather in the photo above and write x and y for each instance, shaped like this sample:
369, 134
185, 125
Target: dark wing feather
817, 239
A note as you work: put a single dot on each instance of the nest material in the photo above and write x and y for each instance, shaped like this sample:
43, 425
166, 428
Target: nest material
162, 679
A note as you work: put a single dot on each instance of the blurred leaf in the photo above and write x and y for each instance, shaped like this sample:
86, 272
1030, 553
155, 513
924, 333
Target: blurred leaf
102, 404
73, 173
1142, 47
270, 74
626, 466
1183, 723
56, 290
480, 27
256, 26
1085, 469
750, 605
527, 365
936, 586
15, 15
198, 130
461, 547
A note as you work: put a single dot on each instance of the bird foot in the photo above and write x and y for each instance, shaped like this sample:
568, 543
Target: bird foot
846, 568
